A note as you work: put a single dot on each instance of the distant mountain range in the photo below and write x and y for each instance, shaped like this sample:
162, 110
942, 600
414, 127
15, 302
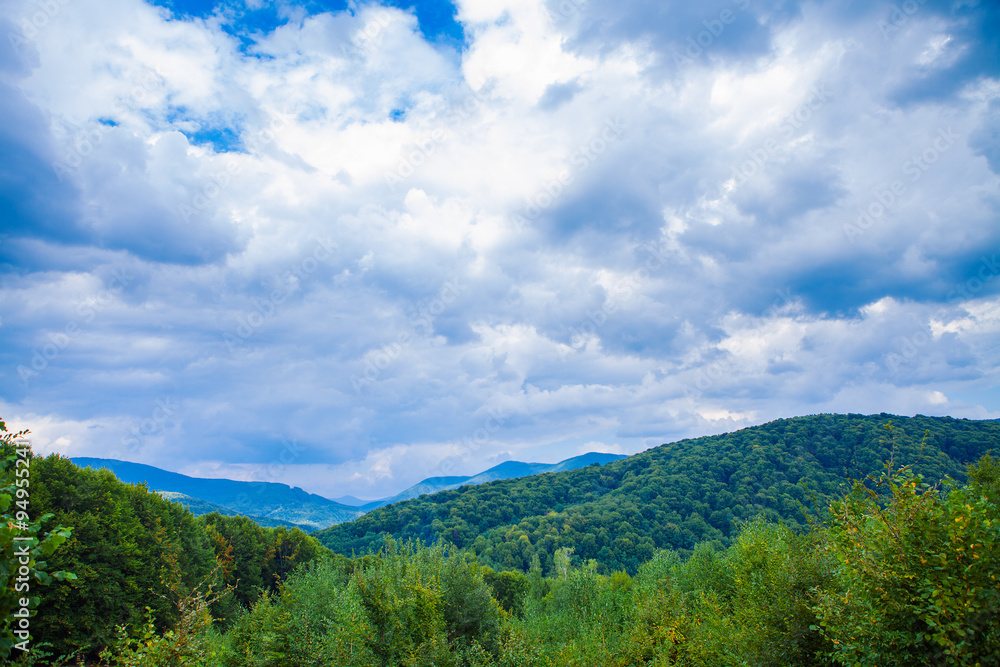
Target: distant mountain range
351, 500
199, 507
257, 500
272, 504
505, 470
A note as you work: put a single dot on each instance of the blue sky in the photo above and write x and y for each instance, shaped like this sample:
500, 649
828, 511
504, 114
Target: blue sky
347, 246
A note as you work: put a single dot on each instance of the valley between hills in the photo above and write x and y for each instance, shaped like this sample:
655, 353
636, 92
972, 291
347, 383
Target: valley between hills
272, 504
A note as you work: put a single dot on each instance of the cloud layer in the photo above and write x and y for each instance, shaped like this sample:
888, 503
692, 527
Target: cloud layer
350, 247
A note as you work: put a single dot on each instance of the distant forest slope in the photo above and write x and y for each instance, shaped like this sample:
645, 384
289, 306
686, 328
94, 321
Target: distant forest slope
506, 470
198, 507
672, 496
265, 500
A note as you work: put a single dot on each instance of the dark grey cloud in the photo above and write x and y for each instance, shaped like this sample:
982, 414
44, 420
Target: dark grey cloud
680, 33
986, 139
33, 201
558, 94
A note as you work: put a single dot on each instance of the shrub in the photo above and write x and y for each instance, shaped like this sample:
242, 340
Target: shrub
917, 574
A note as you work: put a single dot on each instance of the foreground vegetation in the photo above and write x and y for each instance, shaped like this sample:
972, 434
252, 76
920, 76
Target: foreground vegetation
892, 571
909, 579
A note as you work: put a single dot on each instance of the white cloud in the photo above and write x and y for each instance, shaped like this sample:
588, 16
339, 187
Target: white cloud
637, 302
595, 446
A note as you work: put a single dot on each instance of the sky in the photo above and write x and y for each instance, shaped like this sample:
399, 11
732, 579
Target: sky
348, 246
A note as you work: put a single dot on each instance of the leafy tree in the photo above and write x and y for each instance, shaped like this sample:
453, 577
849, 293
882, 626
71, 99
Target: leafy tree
316, 618
765, 589
24, 544
191, 643
410, 605
917, 571
255, 560
127, 548
509, 588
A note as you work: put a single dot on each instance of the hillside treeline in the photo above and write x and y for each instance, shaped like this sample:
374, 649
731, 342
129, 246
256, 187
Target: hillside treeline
671, 497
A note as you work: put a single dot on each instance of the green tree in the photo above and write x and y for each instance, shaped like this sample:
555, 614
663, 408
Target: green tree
128, 547
917, 571
255, 560
23, 543
190, 643
509, 588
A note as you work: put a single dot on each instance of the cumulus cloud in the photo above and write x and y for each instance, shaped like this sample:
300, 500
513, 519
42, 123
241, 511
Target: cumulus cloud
350, 249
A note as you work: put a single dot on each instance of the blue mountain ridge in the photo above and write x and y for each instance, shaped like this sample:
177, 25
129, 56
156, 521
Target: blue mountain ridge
270, 500
505, 470
283, 504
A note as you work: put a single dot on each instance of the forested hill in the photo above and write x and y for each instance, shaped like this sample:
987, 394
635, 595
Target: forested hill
674, 495
259, 500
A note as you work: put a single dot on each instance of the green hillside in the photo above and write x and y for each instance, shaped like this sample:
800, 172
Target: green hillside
672, 496
263, 500
198, 507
